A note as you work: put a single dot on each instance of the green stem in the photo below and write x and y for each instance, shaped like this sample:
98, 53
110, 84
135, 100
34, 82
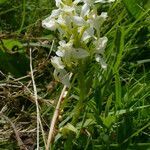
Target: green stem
80, 104
23, 16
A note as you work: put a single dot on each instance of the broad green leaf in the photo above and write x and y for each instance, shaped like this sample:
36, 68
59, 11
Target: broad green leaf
67, 128
108, 120
9, 45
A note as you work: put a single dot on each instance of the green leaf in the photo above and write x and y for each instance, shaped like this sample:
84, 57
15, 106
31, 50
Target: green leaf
9, 45
119, 47
67, 128
108, 121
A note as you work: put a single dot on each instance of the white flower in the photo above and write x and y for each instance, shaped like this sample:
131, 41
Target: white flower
76, 23
100, 45
57, 63
61, 20
111, 1
79, 21
64, 51
100, 60
62, 76
77, 1
49, 24
104, 15
60, 52
69, 54
58, 3
88, 33
85, 10
96, 21
89, 2
68, 9
55, 13
65, 46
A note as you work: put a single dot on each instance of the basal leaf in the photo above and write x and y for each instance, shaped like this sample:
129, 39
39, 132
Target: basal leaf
10, 45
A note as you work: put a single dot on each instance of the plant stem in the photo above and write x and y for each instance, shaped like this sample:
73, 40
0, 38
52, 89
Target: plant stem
80, 105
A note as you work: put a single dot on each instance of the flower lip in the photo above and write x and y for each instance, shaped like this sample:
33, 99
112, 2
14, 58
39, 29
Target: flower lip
58, 2
104, 15
79, 21
57, 63
49, 24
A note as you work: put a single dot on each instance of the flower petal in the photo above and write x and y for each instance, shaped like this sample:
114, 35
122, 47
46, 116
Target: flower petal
85, 10
49, 24
61, 20
104, 15
89, 2
68, 9
101, 45
60, 53
79, 53
79, 21
55, 13
77, 1
57, 63
87, 34
62, 76
58, 2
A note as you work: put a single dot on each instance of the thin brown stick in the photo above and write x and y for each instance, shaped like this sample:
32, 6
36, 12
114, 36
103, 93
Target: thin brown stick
55, 117
39, 123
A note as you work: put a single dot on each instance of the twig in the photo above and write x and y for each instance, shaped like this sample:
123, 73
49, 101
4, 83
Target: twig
2, 73
55, 117
9, 85
51, 49
21, 78
39, 123
20, 142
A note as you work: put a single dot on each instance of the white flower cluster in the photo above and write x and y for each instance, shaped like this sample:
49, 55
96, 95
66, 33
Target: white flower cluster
78, 22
